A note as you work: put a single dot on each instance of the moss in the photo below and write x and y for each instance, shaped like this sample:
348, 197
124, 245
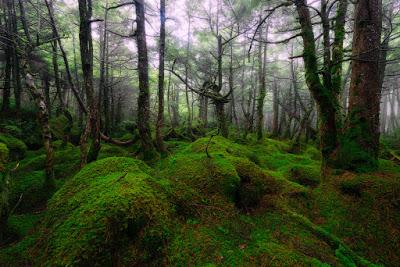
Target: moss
60, 126
254, 184
29, 191
200, 182
351, 187
111, 211
17, 148
305, 175
312, 152
22, 224
4, 152
108, 150
17, 254
29, 179
244, 206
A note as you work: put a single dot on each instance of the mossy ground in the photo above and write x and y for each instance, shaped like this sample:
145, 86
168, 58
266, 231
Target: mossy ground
248, 204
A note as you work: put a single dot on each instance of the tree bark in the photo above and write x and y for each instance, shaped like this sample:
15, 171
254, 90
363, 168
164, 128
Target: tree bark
160, 115
361, 136
327, 102
144, 95
93, 120
262, 85
275, 110
43, 117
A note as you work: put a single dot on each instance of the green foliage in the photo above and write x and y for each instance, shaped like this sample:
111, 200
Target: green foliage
16, 147
110, 210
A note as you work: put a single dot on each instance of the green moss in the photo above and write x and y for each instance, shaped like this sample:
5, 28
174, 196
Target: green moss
312, 152
17, 148
108, 150
29, 191
60, 126
22, 224
254, 183
3, 156
247, 205
305, 175
110, 210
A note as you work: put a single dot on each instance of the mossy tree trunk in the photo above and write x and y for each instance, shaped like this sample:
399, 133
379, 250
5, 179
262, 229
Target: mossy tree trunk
147, 146
222, 125
360, 145
326, 101
262, 84
43, 117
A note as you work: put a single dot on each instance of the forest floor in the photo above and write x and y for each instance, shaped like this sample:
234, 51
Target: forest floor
248, 204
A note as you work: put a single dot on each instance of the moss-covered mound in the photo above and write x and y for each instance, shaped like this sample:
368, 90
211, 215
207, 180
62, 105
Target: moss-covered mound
111, 211
16, 147
305, 175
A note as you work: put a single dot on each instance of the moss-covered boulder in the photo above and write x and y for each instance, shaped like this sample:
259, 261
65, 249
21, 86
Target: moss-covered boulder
111, 212
16, 147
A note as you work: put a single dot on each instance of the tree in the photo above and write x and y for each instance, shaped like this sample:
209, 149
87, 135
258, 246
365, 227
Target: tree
144, 95
325, 95
262, 85
160, 115
92, 127
360, 144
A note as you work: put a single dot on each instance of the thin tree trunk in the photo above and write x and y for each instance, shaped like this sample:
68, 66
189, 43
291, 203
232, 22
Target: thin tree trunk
275, 110
160, 115
64, 56
262, 85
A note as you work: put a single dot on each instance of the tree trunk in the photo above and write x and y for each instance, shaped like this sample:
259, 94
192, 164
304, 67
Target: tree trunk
43, 117
327, 102
160, 115
262, 85
223, 127
144, 95
92, 120
16, 71
6, 85
360, 146
275, 110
